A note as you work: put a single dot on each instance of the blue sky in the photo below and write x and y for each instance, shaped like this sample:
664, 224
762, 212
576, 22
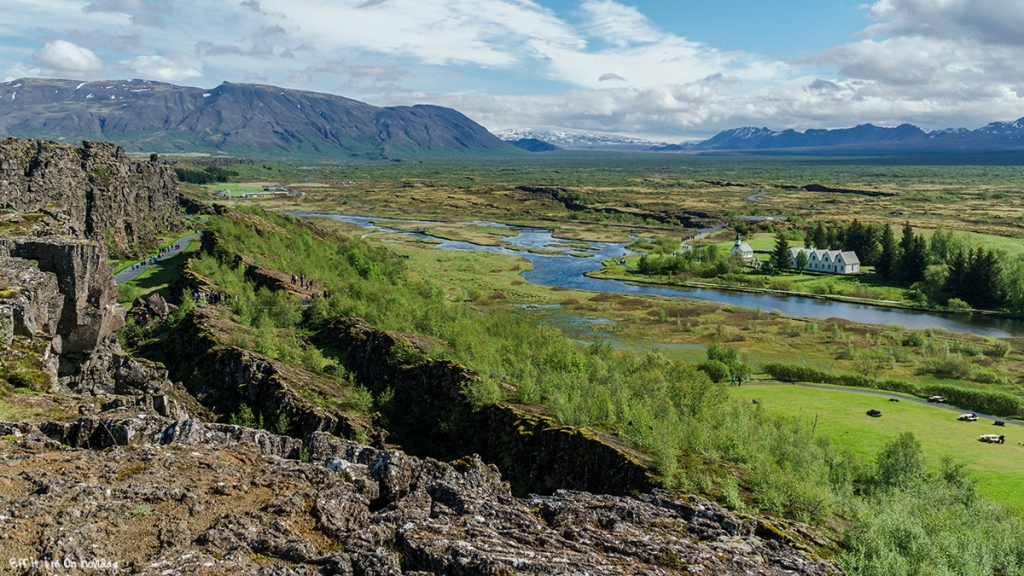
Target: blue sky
666, 70
787, 29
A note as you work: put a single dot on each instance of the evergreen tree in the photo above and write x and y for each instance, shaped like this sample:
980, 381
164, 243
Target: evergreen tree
956, 280
780, 257
819, 238
862, 240
915, 260
907, 241
888, 257
985, 281
835, 238
870, 248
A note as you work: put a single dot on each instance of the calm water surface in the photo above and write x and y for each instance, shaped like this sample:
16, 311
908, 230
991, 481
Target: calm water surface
567, 271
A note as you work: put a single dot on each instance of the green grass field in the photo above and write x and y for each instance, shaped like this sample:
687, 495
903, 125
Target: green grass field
999, 469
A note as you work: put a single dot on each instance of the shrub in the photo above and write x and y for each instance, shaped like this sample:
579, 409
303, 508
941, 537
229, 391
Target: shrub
990, 401
915, 339
958, 304
244, 417
951, 365
998, 350
716, 370
965, 348
725, 354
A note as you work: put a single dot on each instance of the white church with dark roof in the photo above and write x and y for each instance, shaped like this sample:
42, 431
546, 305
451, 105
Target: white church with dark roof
828, 261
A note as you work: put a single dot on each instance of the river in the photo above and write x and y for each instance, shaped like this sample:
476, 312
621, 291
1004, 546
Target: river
569, 272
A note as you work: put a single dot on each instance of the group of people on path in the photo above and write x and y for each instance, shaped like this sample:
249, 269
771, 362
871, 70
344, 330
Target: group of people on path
209, 297
737, 380
307, 284
302, 281
164, 252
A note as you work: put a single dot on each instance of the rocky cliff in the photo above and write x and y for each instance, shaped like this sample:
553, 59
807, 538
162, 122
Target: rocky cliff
59, 299
95, 191
157, 496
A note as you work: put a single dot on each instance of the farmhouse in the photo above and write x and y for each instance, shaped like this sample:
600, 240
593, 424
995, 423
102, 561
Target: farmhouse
831, 261
742, 249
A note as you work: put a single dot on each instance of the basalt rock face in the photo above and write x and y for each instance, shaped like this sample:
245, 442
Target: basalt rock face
223, 377
96, 191
192, 498
60, 293
534, 451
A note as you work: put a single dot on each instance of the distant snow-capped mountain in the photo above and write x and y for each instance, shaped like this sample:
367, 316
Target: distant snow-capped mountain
867, 137
577, 140
1016, 127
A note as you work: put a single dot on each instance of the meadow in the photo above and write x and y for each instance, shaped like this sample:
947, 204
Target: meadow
635, 367
840, 414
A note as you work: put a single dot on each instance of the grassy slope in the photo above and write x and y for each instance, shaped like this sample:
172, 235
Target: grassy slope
999, 469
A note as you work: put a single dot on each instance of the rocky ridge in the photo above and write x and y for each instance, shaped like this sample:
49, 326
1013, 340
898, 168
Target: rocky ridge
95, 191
157, 496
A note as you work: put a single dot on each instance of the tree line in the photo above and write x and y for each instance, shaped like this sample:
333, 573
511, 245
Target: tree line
208, 175
946, 269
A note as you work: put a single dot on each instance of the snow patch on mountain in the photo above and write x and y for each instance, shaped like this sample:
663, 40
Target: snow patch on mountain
577, 139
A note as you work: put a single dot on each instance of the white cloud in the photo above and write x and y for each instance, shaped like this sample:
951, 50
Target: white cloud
64, 56
986, 21
173, 68
618, 24
603, 66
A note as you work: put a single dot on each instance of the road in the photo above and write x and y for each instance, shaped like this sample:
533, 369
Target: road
901, 397
127, 275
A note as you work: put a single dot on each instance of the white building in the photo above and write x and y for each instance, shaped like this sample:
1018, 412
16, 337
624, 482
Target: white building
830, 261
742, 249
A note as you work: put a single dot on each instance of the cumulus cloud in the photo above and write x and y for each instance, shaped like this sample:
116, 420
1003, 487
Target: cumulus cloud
961, 54
986, 21
604, 66
65, 56
171, 68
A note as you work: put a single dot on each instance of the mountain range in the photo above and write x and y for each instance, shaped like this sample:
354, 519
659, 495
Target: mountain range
578, 140
234, 119
866, 137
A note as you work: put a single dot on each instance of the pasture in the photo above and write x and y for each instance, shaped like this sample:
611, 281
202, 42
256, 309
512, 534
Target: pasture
841, 415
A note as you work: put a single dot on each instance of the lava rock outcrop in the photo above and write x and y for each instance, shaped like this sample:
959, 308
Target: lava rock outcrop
96, 191
163, 497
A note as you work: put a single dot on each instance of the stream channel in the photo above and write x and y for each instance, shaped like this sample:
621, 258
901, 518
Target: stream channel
569, 272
